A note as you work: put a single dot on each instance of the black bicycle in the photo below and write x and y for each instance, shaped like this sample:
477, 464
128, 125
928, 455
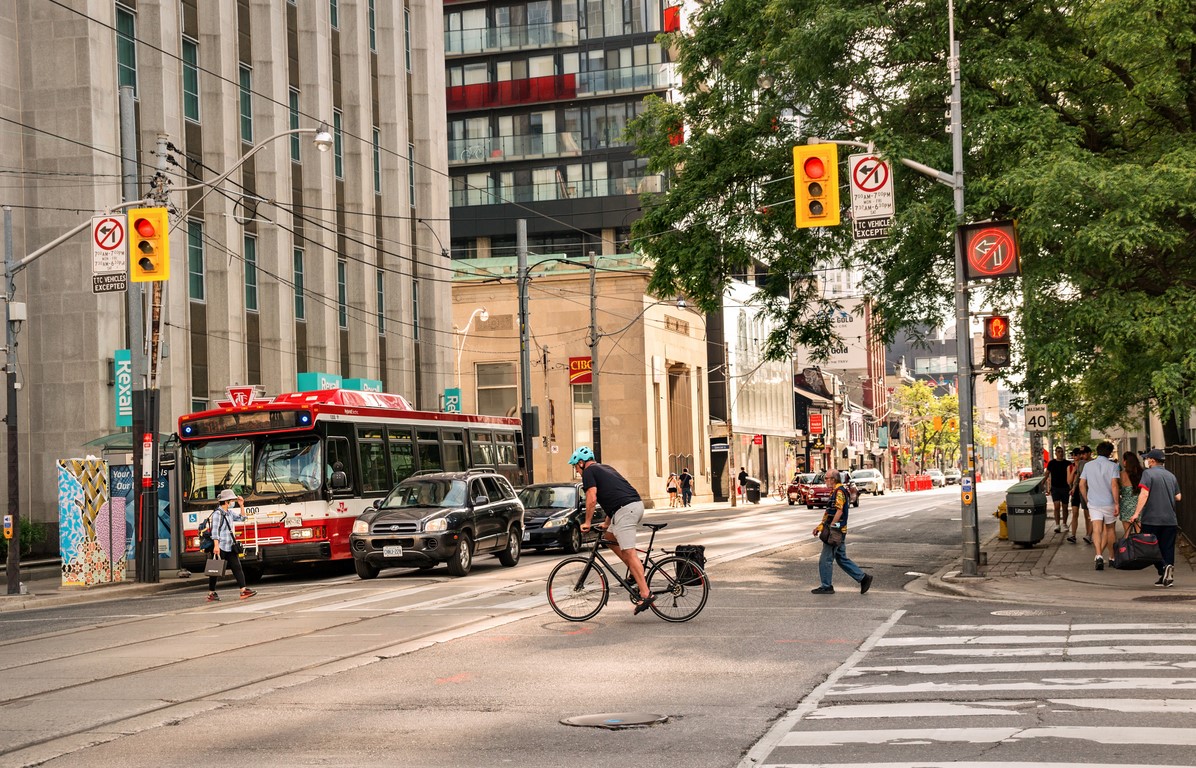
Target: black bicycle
578, 588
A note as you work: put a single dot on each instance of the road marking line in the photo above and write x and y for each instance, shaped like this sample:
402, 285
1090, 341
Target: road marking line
1177, 737
1061, 627
1013, 666
1047, 684
917, 709
954, 764
1161, 706
1027, 640
1108, 650
279, 602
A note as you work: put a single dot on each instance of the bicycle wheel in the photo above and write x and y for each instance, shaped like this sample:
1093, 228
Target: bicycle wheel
576, 589
681, 588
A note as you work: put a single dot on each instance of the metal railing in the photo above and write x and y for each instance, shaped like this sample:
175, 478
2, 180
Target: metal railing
557, 190
481, 39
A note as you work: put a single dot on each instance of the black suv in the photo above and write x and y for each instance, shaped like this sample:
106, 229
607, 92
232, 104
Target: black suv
442, 517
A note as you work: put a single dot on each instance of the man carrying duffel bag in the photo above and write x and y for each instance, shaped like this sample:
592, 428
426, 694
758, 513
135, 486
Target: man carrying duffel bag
1156, 510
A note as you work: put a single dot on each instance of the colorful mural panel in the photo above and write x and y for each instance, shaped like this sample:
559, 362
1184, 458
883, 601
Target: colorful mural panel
93, 539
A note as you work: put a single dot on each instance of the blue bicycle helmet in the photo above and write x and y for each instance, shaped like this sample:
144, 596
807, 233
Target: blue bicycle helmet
581, 454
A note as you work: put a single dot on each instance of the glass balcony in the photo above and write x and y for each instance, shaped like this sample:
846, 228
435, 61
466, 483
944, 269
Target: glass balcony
557, 190
514, 147
482, 40
637, 78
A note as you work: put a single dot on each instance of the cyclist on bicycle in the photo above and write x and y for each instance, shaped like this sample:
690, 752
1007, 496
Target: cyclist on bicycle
624, 509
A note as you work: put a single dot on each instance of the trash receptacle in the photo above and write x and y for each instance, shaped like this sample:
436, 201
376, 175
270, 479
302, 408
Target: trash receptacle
751, 490
1026, 512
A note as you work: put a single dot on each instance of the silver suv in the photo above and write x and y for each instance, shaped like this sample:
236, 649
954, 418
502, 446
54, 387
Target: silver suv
869, 481
442, 517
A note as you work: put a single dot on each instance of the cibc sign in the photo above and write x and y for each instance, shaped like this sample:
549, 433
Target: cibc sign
122, 376
580, 370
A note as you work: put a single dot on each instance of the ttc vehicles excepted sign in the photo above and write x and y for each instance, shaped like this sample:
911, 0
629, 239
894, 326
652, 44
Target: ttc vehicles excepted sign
872, 205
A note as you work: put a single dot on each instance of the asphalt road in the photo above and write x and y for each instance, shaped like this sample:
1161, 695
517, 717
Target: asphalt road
412, 670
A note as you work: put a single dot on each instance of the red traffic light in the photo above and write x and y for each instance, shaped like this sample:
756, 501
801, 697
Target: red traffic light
144, 227
996, 328
814, 168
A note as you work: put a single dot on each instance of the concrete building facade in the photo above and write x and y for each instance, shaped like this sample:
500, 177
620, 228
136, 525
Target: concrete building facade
301, 261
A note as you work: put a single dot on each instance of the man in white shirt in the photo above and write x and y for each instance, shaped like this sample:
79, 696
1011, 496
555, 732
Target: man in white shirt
1098, 487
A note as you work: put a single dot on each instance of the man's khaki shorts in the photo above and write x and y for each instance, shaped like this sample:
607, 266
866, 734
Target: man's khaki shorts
624, 522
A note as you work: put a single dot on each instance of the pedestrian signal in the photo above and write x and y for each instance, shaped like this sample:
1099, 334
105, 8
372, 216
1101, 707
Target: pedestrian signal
150, 255
816, 185
996, 341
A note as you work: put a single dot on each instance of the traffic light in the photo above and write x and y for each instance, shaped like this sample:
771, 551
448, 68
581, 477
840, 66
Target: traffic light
996, 341
816, 185
149, 256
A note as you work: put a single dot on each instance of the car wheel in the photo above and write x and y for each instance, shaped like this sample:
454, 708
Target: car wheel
365, 570
792, 502
856, 503
572, 539
462, 559
509, 557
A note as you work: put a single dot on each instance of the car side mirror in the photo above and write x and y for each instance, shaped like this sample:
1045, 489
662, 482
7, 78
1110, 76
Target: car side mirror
377, 504
479, 501
339, 481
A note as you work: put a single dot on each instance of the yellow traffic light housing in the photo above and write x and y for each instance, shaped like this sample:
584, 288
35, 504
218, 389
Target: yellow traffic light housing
149, 252
996, 342
816, 185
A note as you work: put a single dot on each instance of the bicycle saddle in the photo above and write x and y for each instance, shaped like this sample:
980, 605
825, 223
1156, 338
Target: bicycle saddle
655, 526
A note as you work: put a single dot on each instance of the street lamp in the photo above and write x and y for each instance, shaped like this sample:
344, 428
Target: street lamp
479, 312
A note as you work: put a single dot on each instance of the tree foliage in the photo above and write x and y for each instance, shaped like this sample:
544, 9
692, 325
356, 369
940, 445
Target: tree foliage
1079, 122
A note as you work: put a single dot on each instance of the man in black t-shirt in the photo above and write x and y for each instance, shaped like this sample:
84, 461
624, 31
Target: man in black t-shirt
1057, 487
624, 509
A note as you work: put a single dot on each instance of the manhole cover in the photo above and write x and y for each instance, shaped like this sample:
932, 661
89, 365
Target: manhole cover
1164, 598
615, 720
1028, 612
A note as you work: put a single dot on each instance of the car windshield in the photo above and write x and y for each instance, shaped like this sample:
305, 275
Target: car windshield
865, 474
555, 496
217, 465
427, 492
808, 477
934, 471
290, 465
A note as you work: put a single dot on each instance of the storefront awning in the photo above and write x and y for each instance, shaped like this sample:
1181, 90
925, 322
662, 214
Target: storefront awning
815, 399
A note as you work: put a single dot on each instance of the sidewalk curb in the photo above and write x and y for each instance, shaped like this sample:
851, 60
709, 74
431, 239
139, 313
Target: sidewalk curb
61, 596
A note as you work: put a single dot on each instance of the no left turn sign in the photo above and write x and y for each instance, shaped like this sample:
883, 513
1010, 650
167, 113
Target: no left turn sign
108, 233
110, 254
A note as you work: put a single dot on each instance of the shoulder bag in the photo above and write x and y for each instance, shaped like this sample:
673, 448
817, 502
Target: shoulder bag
1136, 551
832, 537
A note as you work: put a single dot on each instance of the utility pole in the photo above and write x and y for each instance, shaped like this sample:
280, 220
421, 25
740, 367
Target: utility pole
596, 421
731, 474
13, 564
527, 416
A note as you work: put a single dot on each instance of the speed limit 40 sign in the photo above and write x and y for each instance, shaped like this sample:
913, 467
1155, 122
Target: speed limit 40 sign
1038, 418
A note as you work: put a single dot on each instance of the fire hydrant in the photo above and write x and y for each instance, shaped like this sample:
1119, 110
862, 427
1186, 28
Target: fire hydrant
999, 513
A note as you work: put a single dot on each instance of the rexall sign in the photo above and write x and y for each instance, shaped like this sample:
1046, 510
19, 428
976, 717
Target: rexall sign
122, 370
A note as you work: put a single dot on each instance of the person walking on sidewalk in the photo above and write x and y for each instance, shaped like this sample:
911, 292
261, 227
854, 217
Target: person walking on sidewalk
227, 548
624, 510
671, 486
1098, 486
1057, 487
742, 478
1127, 498
1079, 507
835, 519
687, 486
1159, 490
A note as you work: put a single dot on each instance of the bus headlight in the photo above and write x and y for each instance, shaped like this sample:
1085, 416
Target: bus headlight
439, 524
361, 526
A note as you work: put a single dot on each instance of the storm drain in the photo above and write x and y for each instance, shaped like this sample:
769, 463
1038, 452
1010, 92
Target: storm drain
614, 721
1028, 612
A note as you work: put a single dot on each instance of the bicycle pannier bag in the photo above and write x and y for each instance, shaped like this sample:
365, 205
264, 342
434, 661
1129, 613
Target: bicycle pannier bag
696, 553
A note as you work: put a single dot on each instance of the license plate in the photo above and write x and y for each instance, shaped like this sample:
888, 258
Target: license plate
290, 521
393, 551
527, 536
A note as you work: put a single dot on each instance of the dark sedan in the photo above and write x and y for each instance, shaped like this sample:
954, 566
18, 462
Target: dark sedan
553, 514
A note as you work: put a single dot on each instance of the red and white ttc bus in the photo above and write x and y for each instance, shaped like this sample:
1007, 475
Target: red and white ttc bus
308, 463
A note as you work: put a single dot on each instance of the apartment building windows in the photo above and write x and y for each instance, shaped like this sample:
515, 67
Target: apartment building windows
411, 173
338, 145
126, 48
297, 281
190, 80
195, 260
380, 297
497, 395
293, 121
342, 294
377, 162
250, 256
246, 103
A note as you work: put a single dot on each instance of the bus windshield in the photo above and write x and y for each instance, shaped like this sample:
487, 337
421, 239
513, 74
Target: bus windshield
217, 465
289, 466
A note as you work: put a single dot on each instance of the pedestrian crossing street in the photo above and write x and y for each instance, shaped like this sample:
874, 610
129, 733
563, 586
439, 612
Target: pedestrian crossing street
1013, 693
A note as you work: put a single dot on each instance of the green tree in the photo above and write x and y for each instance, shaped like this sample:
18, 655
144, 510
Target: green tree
1079, 122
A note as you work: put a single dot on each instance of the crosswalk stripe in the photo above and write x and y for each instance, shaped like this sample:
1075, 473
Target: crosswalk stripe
1028, 627
916, 709
266, 605
1028, 639
1176, 737
1158, 706
436, 602
1014, 666
1109, 650
966, 764
1046, 684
